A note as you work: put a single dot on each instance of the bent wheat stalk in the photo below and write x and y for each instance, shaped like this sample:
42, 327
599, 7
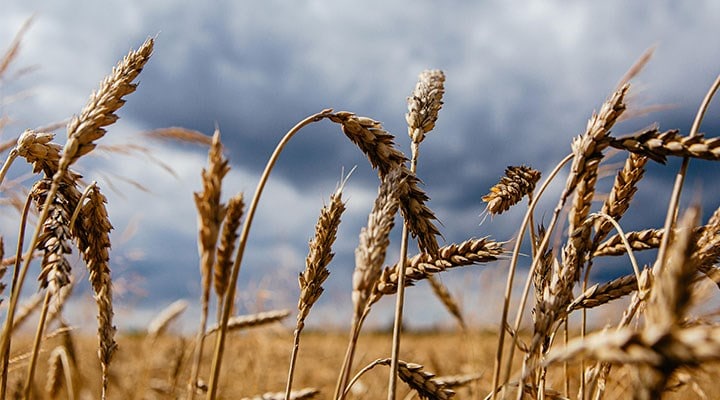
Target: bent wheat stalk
230, 294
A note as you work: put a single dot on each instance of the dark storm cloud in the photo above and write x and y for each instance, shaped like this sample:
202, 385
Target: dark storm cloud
522, 81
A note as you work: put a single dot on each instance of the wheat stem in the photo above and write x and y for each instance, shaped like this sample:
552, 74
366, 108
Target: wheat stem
18, 276
680, 178
511, 276
230, 295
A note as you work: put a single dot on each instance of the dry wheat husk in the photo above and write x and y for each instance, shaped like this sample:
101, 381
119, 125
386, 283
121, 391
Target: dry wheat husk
639, 240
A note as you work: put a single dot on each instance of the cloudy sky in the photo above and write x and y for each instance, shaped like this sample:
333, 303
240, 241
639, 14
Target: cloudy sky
522, 80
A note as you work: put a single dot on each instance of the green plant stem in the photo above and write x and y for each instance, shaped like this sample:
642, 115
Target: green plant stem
230, 294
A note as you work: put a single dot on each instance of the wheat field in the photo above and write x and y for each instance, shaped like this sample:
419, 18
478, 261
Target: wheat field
656, 347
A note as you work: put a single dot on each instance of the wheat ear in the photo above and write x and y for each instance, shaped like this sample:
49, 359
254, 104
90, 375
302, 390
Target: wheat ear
240, 322
211, 213
379, 147
94, 243
424, 383
83, 130
369, 258
311, 279
223, 261
517, 182
59, 367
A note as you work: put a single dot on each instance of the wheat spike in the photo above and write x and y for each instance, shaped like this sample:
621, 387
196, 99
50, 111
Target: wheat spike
424, 104
374, 240
378, 145
598, 294
659, 145
241, 322
319, 256
518, 182
443, 293
423, 265
159, 324
94, 243
84, 129
622, 193
424, 383
223, 261
640, 240
54, 240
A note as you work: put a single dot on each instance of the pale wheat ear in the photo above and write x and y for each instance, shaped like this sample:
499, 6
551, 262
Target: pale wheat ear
316, 272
